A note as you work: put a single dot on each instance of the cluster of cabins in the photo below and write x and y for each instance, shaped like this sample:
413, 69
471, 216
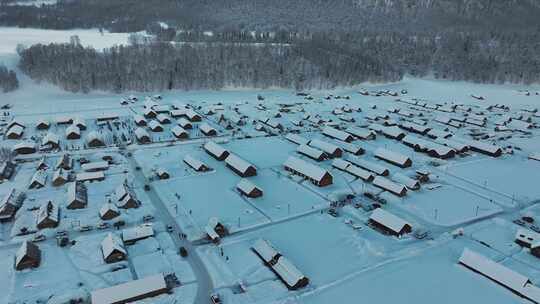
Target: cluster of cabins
155, 116
368, 171
234, 162
280, 265
51, 140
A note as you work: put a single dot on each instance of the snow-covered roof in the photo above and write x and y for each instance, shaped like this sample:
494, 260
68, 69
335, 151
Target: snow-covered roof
110, 244
246, 186
394, 132
337, 134
305, 168
77, 192
27, 249
154, 125
139, 118
15, 130
360, 133
288, 272
340, 164
184, 123
215, 149
48, 211
387, 184
297, 139
310, 152
108, 207
500, 274
388, 220
194, 163
238, 163
370, 166
392, 157
206, 128
24, 145
482, 146
265, 250
407, 181
359, 172
436, 133
141, 133
73, 129
95, 166
162, 118
90, 176
94, 138
39, 178
179, 131
50, 138
178, 112
60, 175
130, 291
325, 146
137, 233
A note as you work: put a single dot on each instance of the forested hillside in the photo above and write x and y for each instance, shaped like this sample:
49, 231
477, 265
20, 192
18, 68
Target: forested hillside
291, 15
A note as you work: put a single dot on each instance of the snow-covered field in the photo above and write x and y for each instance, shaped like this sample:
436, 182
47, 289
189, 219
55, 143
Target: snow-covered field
11, 37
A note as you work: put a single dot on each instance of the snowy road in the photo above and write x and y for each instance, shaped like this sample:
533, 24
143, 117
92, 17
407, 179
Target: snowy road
203, 277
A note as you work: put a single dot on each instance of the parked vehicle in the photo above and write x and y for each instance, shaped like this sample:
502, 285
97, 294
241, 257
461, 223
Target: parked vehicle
85, 228
61, 233
147, 218
102, 225
38, 238
215, 299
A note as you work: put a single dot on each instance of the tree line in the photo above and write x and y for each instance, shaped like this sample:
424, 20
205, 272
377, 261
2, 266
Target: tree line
289, 60
210, 65
8, 80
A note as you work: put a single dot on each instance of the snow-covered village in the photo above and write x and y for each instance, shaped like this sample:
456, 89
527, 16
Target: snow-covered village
422, 189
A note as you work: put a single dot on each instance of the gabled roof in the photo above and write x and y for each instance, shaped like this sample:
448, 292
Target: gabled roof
27, 250
141, 133
206, 128
265, 250
112, 243
246, 186
337, 134
130, 291
391, 156
288, 272
39, 179
310, 152
50, 138
386, 184
179, 131
297, 139
498, 273
48, 211
215, 149
137, 233
325, 146
389, 220
108, 207
194, 163
308, 169
238, 163
370, 166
